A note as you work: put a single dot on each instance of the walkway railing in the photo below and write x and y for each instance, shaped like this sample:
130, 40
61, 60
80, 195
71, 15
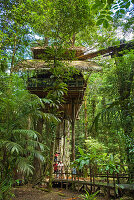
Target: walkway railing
115, 182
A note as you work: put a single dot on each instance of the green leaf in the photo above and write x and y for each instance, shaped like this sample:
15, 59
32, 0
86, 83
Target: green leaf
122, 11
105, 23
103, 12
82, 163
99, 22
29, 133
24, 166
109, 17
126, 5
107, 167
81, 151
87, 162
116, 7
13, 147
101, 16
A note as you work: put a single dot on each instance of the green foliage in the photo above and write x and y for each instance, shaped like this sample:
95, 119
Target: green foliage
17, 143
88, 196
109, 94
15, 33
5, 188
110, 116
95, 154
61, 20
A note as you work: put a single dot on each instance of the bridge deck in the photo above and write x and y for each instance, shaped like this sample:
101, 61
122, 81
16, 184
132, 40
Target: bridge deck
97, 184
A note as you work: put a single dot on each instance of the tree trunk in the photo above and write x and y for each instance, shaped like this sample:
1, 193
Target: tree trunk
58, 137
73, 131
64, 139
73, 40
51, 156
85, 114
46, 41
13, 56
38, 170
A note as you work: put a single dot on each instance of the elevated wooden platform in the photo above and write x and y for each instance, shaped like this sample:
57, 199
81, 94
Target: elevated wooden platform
97, 184
115, 184
108, 188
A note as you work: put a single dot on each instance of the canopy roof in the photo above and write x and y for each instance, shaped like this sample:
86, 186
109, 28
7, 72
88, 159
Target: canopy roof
82, 53
63, 53
37, 64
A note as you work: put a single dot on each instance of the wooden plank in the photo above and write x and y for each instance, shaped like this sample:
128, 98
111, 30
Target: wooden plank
110, 50
99, 184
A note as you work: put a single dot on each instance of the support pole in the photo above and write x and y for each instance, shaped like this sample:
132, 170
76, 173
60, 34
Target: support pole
64, 137
73, 130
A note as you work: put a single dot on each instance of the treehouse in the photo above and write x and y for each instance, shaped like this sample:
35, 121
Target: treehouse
41, 80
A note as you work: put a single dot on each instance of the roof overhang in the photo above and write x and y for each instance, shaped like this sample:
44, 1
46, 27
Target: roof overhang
37, 64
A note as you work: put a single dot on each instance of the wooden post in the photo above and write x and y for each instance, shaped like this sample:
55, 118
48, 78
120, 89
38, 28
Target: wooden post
78, 181
91, 178
73, 130
118, 181
67, 180
51, 165
108, 189
64, 141
61, 184
85, 113
114, 184
57, 139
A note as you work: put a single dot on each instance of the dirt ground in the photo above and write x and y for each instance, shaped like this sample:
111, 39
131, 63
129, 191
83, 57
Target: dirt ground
29, 193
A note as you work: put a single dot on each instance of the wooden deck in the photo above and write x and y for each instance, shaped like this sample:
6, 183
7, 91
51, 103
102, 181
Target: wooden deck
110, 185
98, 184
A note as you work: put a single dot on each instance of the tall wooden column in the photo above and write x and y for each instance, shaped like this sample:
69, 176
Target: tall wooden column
64, 139
85, 114
73, 131
57, 140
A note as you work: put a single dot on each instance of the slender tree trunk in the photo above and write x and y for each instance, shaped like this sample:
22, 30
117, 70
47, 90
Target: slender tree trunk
73, 130
38, 170
51, 156
46, 41
68, 145
64, 139
13, 56
73, 40
85, 114
58, 136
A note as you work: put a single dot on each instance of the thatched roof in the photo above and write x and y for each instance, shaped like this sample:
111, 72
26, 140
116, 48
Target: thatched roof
81, 53
66, 54
37, 64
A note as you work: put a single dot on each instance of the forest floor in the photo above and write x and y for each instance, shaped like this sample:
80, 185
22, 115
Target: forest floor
29, 193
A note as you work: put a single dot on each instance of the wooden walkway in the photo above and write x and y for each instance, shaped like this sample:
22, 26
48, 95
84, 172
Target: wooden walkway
98, 184
114, 185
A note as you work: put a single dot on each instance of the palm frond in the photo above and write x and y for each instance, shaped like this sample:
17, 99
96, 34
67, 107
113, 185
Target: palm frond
12, 147
28, 133
23, 166
105, 110
50, 117
37, 154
